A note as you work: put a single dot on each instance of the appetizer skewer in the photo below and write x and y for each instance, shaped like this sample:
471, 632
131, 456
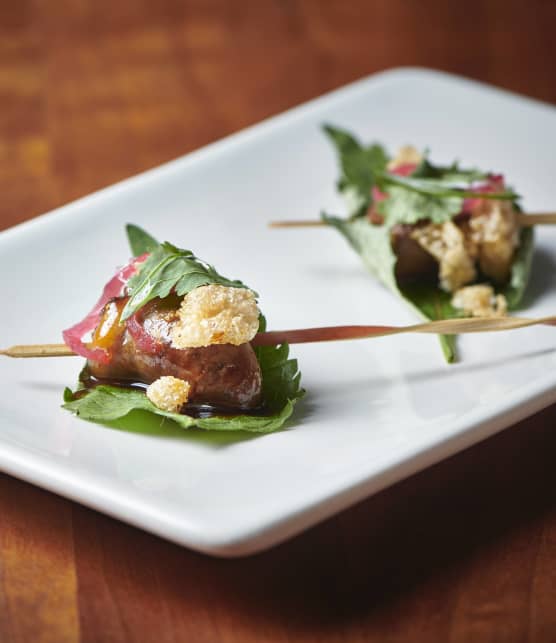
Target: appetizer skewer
171, 336
451, 242
332, 333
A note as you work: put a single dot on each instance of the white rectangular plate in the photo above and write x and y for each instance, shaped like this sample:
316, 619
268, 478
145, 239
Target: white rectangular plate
376, 411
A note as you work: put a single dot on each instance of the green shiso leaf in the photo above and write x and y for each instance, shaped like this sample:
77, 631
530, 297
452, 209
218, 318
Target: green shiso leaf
451, 173
441, 188
170, 269
521, 268
140, 241
406, 206
280, 374
109, 403
434, 304
360, 167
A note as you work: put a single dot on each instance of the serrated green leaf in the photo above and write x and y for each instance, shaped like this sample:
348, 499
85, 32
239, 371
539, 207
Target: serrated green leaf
440, 188
170, 269
140, 241
450, 173
108, 403
521, 268
433, 304
406, 206
344, 142
360, 166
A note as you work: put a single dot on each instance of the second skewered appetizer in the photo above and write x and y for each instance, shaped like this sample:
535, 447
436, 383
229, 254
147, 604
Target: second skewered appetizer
450, 241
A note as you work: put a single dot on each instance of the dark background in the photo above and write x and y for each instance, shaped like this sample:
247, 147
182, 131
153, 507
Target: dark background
93, 91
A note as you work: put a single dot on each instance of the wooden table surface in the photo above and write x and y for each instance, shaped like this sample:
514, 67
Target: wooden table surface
93, 91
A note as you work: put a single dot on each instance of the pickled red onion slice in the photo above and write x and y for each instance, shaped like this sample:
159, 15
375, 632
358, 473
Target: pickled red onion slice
404, 169
494, 183
73, 337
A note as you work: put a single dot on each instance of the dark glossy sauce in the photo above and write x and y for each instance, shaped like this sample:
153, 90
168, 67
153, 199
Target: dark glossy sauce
191, 409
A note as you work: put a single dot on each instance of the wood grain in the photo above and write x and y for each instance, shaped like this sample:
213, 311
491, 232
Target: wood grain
93, 91
38, 581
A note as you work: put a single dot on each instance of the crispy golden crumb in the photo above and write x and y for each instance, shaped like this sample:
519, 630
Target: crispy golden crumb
406, 154
448, 245
489, 239
216, 314
169, 393
480, 301
495, 230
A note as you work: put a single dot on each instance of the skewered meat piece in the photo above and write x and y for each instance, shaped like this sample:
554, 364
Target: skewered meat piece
454, 251
414, 263
141, 350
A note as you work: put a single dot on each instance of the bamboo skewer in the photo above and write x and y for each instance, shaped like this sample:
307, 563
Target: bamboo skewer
308, 223
334, 333
441, 327
539, 218
38, 350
